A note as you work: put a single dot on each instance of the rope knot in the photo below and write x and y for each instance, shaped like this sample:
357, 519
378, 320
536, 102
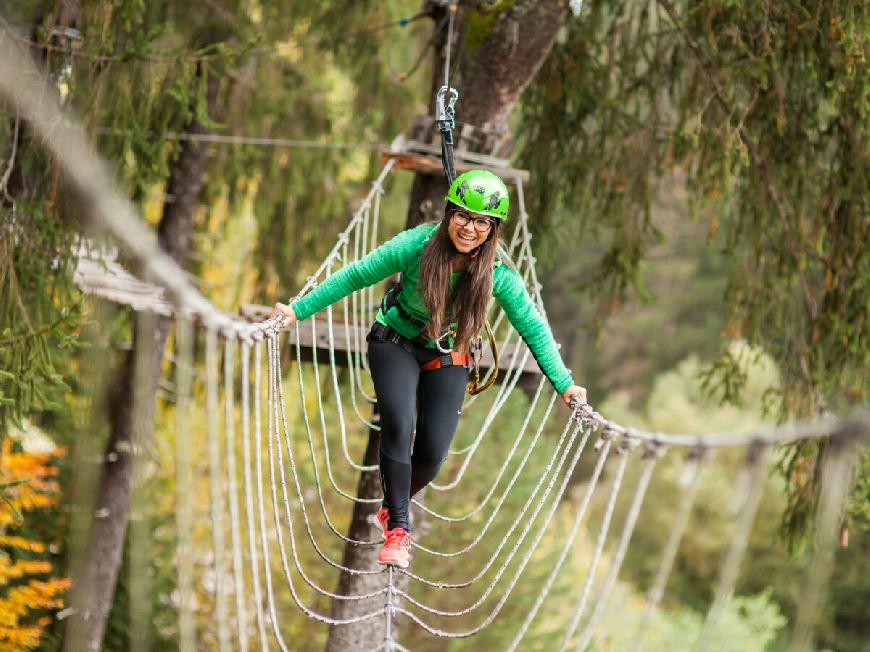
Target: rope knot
653, 448
628, 443
270, 328
608, 433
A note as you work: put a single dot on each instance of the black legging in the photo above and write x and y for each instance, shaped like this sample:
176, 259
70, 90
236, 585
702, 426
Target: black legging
409, 463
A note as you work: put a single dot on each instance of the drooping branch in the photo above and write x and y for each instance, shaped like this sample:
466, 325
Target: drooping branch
709, 70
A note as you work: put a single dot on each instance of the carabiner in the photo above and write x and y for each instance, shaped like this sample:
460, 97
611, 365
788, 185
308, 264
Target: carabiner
445, 107
446, 333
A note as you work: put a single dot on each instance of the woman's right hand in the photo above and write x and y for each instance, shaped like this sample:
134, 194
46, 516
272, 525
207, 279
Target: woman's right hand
287, 312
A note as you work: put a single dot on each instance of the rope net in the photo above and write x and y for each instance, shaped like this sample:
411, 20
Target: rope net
281, 458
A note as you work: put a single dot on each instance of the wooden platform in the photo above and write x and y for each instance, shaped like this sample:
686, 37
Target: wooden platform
99, 273
431, 165
529, 378
421, 152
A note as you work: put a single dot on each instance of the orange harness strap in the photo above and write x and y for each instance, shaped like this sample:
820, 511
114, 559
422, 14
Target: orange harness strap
456, 358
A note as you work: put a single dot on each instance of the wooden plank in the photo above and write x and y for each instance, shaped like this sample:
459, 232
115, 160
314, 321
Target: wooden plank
431, 165
462, 152
319, 344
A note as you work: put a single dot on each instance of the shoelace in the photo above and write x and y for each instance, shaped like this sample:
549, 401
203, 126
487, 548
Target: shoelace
398, 538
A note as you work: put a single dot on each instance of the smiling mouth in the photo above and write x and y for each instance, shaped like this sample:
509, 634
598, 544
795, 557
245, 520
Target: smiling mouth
467, 239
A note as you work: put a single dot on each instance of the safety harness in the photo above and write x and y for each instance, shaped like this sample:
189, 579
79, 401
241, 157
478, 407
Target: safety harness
448, 358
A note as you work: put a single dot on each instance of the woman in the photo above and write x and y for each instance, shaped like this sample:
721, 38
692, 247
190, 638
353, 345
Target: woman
449, 272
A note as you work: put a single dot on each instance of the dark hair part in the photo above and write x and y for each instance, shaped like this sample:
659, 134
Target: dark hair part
473, 291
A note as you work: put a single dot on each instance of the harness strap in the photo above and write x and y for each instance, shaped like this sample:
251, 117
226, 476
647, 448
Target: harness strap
391, 300
389, 335
456, 358
453, 359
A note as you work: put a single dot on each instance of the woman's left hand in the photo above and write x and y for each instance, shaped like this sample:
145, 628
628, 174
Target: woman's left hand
574, 391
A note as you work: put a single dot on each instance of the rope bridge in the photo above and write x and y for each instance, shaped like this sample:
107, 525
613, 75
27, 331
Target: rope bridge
265, 504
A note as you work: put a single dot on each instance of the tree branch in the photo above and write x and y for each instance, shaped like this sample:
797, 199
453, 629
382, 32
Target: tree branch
758, 162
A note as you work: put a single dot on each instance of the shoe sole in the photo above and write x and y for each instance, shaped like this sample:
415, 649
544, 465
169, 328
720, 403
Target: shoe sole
393, 563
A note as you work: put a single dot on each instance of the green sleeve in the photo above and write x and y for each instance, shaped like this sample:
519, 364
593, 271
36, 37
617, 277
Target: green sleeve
510, 292
389, 258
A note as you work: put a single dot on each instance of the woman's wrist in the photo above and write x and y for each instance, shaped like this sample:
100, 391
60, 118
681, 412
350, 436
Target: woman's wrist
574, 393
286, 312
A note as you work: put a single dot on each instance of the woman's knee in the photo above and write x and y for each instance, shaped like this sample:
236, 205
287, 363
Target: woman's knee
428, 457
397, 428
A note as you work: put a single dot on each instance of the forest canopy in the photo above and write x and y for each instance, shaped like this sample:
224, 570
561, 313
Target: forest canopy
699, 197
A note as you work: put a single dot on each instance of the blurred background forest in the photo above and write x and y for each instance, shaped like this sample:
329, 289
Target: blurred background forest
700, 222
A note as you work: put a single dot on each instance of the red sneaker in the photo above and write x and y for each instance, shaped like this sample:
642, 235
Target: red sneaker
396, 548
383, 519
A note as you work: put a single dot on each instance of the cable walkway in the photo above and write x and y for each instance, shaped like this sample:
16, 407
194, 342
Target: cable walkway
259, 504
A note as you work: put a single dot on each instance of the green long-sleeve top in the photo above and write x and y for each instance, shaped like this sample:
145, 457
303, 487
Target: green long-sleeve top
402, 254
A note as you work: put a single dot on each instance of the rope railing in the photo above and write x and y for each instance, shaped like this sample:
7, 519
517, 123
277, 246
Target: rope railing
30, 95
628, 443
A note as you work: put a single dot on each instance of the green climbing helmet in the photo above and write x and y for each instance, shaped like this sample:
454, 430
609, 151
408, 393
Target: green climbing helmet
480, 191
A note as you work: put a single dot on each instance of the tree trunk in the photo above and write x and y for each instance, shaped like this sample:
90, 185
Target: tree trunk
491, 76
93, 596
369, 634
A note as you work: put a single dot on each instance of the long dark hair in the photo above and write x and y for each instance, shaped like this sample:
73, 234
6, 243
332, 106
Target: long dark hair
473, 291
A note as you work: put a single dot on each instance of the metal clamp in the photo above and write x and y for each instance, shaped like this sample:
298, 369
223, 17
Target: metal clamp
445, 107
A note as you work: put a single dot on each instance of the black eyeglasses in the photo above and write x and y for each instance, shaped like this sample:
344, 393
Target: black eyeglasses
481, 224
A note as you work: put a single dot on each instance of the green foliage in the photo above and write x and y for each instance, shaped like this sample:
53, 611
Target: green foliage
749, 623
40, 311
619, 107
624, 100
763, 106
678, 403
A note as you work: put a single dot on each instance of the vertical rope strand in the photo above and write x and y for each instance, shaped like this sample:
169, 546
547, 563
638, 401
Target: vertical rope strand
184, 509
599, 546
836, 477
756, 472
253, 556
216, 498
652, 456
233, 490
258, 451
689, 477
140, 536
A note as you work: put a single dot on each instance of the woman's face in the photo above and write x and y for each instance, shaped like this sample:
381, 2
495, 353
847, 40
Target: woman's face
468, 230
